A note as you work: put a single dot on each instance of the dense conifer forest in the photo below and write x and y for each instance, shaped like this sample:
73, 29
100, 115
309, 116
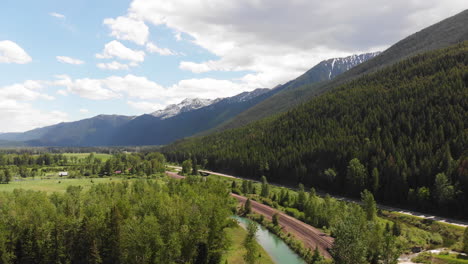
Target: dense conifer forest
145, 221
400, 132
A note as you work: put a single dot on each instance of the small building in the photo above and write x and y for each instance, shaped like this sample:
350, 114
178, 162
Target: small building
63, 173
118, 172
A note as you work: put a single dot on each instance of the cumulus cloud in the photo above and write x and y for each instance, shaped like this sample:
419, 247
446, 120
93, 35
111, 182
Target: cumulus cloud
152, 48
27, 91
20, 116
84, 111
10, 52
115, 66
264, 33
141, 88
126, 28
115, 49
57, 15
17, 112
65, 59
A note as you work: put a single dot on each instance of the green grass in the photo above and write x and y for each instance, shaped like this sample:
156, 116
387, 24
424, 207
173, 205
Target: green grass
53, 185
237, 250
102, 156
442, 258
427, 233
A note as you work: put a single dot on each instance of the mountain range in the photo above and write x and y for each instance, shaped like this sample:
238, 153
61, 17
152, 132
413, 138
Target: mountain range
395, 125
190, 117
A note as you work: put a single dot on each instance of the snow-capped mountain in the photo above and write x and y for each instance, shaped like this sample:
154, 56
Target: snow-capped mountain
186, 105
337, 66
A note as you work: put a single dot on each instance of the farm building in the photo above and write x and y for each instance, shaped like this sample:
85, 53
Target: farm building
63, 173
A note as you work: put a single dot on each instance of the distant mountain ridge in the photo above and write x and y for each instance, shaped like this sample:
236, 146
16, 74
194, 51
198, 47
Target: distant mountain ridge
186, 105
322, 72
190, 117
443, 34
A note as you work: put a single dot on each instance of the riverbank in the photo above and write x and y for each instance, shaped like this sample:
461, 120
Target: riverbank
236, 252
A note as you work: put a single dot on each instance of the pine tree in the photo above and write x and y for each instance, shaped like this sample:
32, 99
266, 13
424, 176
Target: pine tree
248, 207
369, 205
265, 188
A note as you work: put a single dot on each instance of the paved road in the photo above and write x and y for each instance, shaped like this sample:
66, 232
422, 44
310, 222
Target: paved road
310, 236
383, 207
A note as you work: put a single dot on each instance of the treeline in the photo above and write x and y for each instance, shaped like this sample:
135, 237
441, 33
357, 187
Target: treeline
400, 132
145, 221
27, 165
58, 150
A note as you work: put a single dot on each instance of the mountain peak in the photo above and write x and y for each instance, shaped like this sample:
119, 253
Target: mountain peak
188, 104
338, 65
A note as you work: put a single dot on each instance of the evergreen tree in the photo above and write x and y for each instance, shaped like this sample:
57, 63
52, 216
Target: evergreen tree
301, 198
369, 205
248, 207
194, 167
265, 188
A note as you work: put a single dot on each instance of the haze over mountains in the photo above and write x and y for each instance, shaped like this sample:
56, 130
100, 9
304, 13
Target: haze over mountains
190, 117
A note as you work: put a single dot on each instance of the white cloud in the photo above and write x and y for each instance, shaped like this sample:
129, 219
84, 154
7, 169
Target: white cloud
10, 52
84, 111
16, 111
26, 91
152, 48
268, 37
19, 116
115, 66
118, 50
139, 87
111, 87
65, 59
92, 89
126, 28
57, 15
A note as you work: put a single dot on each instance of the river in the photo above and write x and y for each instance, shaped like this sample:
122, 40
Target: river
273, 245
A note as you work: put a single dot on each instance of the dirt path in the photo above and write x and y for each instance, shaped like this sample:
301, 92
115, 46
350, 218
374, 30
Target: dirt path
310, 236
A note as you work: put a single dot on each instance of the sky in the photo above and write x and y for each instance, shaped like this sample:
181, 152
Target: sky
63, 61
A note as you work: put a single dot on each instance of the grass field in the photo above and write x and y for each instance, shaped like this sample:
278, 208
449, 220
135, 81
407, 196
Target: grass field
53, 185
443, 258
101, 156
236, 252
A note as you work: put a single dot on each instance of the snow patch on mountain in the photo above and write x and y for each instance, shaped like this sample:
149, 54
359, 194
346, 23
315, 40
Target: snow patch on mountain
335, 65
186, 105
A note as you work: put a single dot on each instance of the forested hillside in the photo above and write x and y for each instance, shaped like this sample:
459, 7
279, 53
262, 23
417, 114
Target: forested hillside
440, 35
400, 132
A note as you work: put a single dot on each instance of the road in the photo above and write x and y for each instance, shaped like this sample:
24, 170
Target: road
310, 236
380, 206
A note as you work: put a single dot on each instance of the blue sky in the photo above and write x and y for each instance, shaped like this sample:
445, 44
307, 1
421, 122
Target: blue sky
55, 56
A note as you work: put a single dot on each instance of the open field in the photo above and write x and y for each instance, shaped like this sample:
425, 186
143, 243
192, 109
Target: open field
101, 156
237, 250
54, 185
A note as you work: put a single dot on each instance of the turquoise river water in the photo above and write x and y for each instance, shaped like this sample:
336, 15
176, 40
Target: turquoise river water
275, 247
